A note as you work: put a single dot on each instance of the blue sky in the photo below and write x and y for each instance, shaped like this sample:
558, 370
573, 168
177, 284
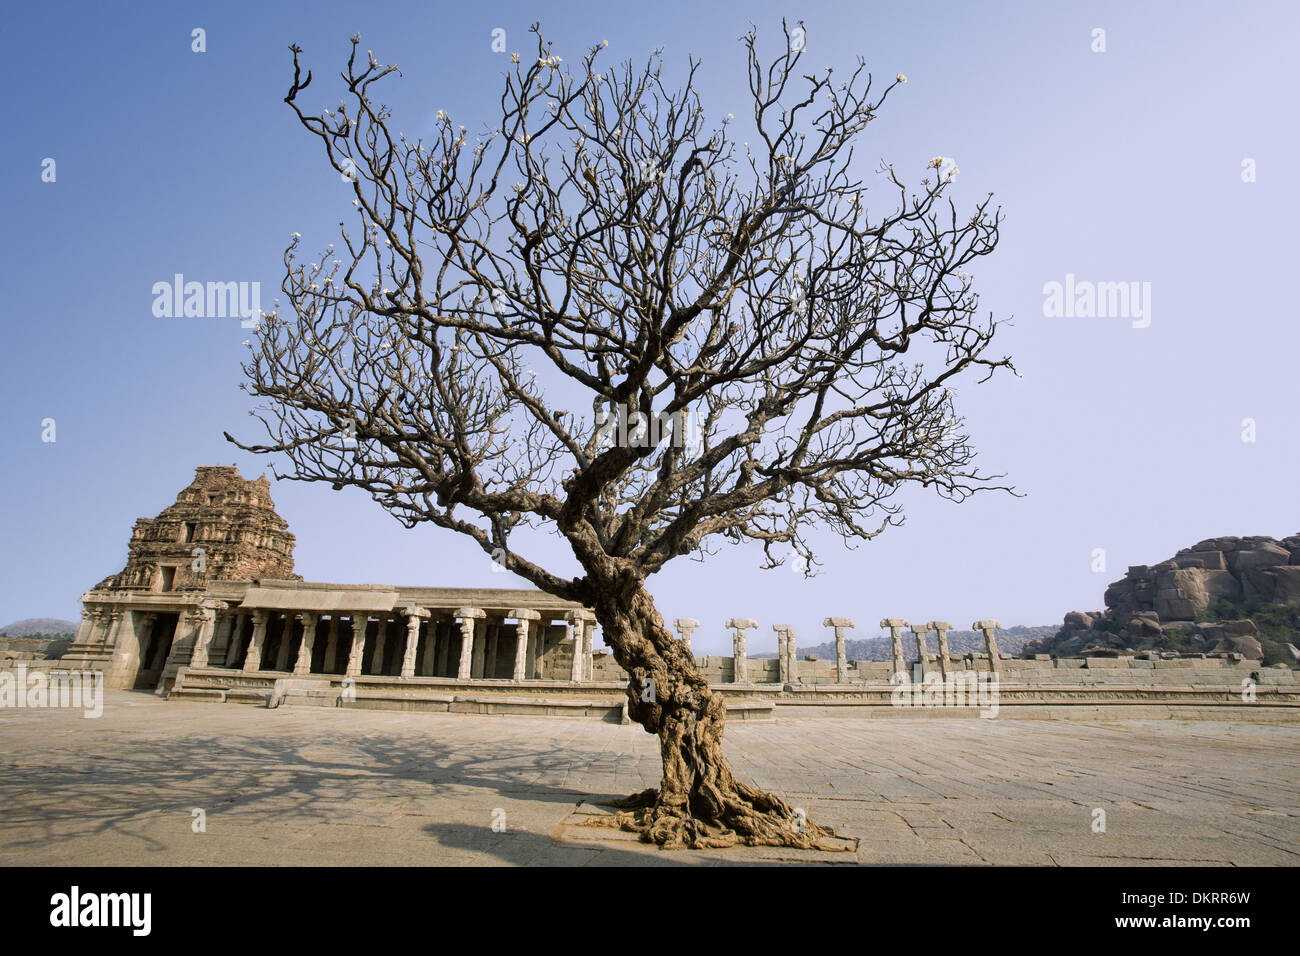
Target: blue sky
1123, 165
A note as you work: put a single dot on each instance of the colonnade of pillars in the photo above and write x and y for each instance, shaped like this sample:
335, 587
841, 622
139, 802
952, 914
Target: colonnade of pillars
468, 643
786, 653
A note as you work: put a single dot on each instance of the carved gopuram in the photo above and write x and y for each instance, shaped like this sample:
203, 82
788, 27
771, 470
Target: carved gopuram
221, 528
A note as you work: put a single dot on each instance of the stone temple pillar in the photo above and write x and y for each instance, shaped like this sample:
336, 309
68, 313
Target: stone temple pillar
583, 624
991, 643
381, 639
480, 649
253, 659
686, 627
101, 620
443, 643
792, 654
469, 616
234, 645
491, 640
896, 625
103, 631
302, 663
207, 613
942, 628
358, 648
91, 618
221, 638
286, 639
782, 658
413, 616
332, 645
841, 662
740, 662
588, 644
918, 631
111, 635
109, 619
524, 619
542, 626
575, 637
430, 647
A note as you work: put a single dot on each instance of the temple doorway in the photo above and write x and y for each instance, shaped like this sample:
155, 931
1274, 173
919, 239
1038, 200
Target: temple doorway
153, 656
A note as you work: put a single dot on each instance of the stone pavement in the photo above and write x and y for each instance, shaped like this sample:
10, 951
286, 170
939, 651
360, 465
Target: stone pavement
301, 785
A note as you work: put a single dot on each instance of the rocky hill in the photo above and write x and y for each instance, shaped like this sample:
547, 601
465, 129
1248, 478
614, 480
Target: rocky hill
1221, 595
39, 627
36, 638
1010, 641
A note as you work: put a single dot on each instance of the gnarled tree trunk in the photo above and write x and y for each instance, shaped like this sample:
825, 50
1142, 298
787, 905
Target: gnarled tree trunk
698, 803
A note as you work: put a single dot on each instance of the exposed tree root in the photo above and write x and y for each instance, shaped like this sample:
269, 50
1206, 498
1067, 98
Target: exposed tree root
699, 803
748, 817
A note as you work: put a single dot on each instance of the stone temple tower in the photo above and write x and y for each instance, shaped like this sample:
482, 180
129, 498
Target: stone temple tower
221, 528
139, 626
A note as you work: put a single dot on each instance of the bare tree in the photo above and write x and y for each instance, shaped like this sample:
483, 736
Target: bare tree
607, 234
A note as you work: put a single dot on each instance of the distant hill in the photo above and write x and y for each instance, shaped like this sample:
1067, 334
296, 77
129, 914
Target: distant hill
1011, 640
39, 626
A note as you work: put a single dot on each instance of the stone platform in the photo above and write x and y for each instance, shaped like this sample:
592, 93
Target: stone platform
320, 786
1109, 694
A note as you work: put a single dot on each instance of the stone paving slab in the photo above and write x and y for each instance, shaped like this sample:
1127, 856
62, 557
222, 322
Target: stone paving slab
321, 786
